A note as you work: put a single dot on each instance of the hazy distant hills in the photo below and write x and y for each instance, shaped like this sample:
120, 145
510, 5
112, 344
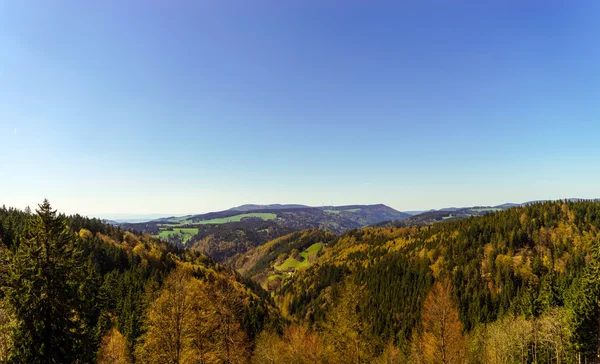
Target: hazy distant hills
391, 214
455, 213
252, 207
336, 219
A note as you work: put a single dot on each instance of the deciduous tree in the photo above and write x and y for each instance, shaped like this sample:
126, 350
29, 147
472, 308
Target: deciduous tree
172, 321
443, 340
223, 314
346, 331
113, 349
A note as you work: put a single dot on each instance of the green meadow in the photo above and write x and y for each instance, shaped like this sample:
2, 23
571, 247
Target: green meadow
274, 276
176, 223
296, 264
236, 218
186, 232
182, 220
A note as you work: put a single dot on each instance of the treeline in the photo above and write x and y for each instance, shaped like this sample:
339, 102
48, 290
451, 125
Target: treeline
74, 290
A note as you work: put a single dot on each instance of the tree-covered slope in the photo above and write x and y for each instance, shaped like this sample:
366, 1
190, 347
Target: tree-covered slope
265, 263
525, 262
443, 215
514, 286
73, 289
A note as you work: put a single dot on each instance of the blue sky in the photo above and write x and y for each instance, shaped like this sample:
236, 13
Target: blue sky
191, 106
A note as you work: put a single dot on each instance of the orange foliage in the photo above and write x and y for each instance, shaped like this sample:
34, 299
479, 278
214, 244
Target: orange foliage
442, 341
113, 349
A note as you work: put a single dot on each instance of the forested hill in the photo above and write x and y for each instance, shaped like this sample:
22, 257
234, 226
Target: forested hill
75, 290
269, 264
224, 234
524, 283
514, 286
443, 215
457, 213
336, 219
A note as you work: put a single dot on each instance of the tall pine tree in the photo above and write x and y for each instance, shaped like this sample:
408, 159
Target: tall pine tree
43, 285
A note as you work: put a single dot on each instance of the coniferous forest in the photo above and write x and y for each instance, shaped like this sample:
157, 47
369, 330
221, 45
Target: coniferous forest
515, 286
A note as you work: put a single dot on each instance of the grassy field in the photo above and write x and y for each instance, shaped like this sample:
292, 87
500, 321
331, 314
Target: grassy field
293, 263
180, 219
236, 218
451, 216
186, 232
274, 276
290, 263
313, 249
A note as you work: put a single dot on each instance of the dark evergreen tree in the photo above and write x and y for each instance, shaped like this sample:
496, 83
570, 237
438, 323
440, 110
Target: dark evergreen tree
43, 283
586, 307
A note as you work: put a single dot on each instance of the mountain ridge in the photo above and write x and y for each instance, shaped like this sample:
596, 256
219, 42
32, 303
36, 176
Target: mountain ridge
454, 213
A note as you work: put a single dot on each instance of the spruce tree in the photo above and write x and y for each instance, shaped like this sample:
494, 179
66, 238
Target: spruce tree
43, 282
585, 303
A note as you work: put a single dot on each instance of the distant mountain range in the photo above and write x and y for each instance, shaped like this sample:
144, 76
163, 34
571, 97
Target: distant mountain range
370, 213
251, 207
118, 219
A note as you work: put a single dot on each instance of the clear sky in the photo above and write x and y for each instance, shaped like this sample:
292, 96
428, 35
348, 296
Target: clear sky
176, 107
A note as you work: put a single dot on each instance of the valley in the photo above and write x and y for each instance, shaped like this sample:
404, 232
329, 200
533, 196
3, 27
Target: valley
521, 278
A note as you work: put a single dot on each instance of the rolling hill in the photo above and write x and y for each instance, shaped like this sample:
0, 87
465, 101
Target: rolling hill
527, 268
224, 234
